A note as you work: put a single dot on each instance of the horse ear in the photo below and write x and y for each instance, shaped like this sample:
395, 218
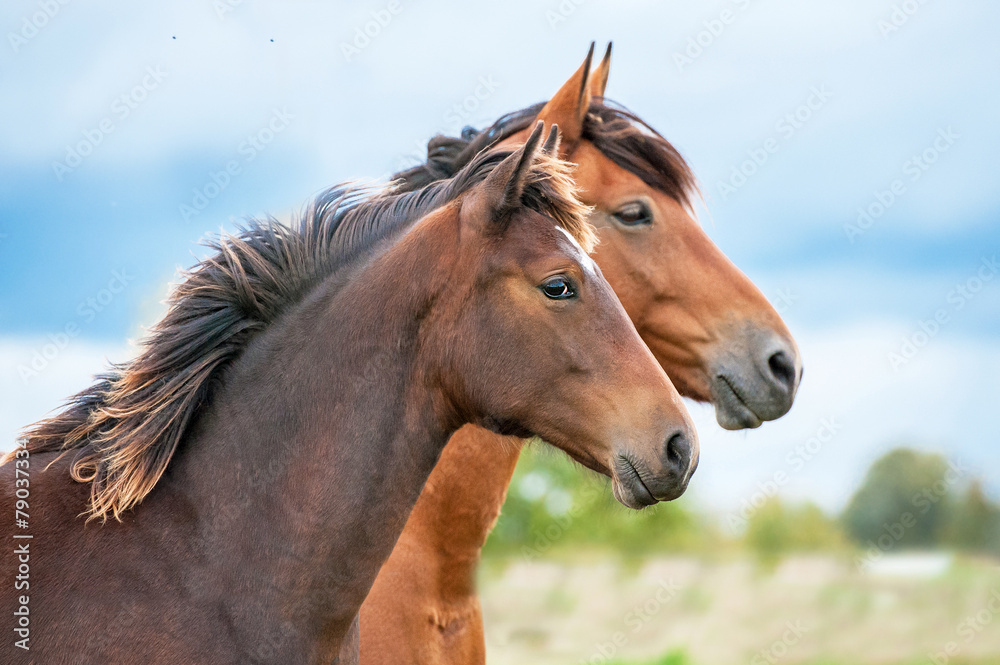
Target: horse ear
551, 146
599, 77
504, 186
568, 107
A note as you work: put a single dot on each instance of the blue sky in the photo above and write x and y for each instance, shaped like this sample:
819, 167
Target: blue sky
840, 97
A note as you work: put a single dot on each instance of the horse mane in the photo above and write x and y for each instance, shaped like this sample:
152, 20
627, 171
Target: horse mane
620, 135
126, 427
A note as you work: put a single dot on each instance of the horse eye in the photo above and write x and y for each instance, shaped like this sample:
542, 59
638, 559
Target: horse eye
634, 214
558, 288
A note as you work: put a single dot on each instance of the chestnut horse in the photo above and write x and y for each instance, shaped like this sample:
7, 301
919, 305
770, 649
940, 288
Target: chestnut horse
710, 328
262, 452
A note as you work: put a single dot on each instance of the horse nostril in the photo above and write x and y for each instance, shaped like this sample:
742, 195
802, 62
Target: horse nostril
782, 368
679, 453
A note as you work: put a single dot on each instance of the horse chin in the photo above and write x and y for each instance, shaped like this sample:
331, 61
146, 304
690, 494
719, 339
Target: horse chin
628, 488
731, 412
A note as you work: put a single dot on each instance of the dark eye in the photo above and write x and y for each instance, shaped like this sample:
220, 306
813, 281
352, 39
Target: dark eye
558, 288
634, 214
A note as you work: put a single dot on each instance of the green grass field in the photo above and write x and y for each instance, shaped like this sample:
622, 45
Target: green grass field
684, 610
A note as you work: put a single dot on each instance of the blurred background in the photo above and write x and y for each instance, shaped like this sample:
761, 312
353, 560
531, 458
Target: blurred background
863, 527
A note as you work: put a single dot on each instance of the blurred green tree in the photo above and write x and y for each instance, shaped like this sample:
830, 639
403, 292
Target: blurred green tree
777, 528
975, 521
904, 501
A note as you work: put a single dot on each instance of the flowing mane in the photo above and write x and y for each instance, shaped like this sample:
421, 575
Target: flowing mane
619, 134
125, 428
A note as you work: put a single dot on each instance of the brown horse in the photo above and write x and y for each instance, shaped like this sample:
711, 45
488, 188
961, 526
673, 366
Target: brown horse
712, 331
262, 452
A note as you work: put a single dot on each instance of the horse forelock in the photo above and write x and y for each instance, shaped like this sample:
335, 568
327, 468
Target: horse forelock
631, 143
551, 190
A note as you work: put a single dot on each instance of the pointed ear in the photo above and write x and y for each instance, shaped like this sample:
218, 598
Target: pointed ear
568, 107
599, 77
503, 187
551, 146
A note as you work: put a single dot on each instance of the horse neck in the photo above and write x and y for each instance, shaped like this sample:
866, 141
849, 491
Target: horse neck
459, 507
313, 452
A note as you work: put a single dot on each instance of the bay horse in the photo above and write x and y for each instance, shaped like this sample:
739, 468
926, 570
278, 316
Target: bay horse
260, 455
710, 328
